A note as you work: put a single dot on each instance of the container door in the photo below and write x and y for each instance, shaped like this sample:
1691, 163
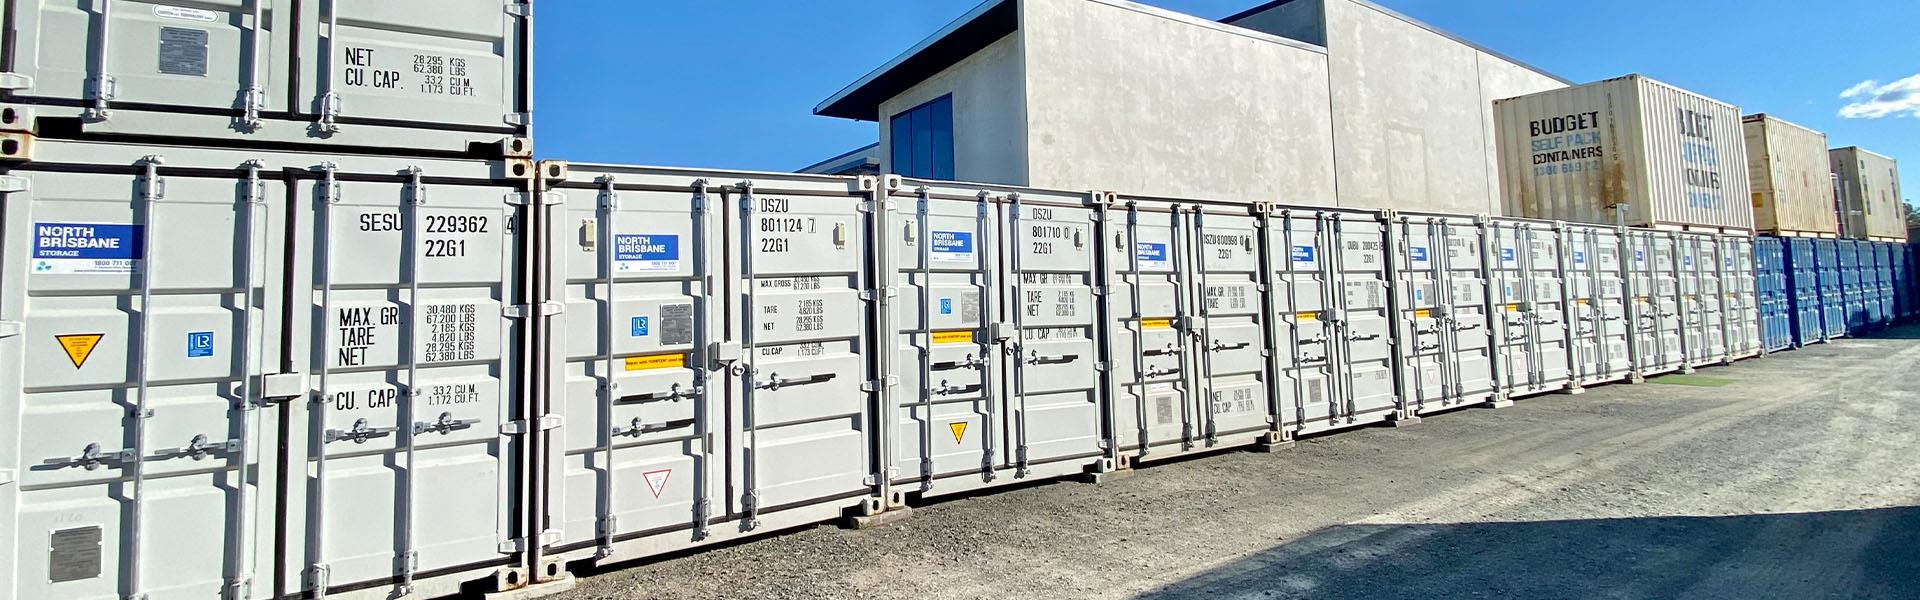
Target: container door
1424, 365
413, 375
1599, 304
448, 64
1363, 323
636, 387
1468, 332
1050, 369
1833, 284
213, 55
1715, 284
1152, 308
1299, 247
138, 314
1741, 294
1232, 329
943, 414
1513, 334
1547, 306
799, 387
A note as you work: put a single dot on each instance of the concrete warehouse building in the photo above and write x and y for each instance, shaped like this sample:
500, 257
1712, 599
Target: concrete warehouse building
1104, 94
1412, 104
1330, 102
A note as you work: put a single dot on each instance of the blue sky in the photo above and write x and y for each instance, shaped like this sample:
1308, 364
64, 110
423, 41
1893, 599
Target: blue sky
732, 83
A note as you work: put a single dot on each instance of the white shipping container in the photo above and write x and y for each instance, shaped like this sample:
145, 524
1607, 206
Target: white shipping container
1674, 158
1787, 169
1868, 186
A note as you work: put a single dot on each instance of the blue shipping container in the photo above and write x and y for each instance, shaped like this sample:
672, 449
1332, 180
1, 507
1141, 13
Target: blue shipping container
1833, 288
1770, 281
1804, 299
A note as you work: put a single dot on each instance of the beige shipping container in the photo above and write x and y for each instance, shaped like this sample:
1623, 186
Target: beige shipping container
1869, 192
1787, 169
1675, 159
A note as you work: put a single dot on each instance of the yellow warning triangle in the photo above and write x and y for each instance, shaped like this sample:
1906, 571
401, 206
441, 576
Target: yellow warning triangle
79, 346
959, 430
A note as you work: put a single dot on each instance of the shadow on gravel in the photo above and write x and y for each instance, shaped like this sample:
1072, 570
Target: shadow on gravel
1841, 554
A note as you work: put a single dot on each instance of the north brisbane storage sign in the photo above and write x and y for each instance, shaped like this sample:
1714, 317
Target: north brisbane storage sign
87, 248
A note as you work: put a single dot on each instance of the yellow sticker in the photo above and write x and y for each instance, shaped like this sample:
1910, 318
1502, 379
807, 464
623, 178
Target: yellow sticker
1156, 324
1513, 308
959, 430
657, 361
1424, 313
79, 346
1759, 200
964, 336
1581, 301
1307, 316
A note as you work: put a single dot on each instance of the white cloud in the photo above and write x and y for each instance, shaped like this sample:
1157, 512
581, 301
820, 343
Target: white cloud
1874, 100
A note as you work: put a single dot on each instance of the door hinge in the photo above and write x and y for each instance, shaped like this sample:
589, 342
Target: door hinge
518, 9
15, 81
283, 385
13, 183
10, 328
877, 384
543, 309
515, 199
6, 476
517, 119
519, 427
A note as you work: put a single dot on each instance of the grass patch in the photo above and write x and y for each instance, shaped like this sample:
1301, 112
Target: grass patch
1691, 380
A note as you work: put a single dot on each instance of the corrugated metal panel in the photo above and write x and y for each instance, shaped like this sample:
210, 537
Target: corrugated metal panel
1869, 192
1674, 157
1770, 278
1787, 168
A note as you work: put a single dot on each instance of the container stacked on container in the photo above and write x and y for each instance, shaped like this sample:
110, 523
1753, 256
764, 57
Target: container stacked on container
262, 309
1668, 158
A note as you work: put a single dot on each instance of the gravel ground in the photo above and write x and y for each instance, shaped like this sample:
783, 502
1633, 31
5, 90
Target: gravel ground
1800, 479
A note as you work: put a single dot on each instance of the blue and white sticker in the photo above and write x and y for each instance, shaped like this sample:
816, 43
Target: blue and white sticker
641, 327
1419, 253
1152, 255
646, 253
199, 344
1303, 254
1639, 256
87, 248
1506, 255
1687, 260
1579, 257
952, 247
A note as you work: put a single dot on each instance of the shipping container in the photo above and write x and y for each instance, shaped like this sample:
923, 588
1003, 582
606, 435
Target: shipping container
1332, 322
1805, 300
1740, 296
1186, 325
1853, 285
710, 359
447, 77
1442, 310
955, 424
1653, 279
1667, 157
1596, 284
1833, 287
1867, 185
1790, 179
1700, 299
302, 368
1770, 278
1530, 300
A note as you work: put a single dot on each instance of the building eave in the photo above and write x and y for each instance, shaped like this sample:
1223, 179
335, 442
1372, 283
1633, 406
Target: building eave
965, 36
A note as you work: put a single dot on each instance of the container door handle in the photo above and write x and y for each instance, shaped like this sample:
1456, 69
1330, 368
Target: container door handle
359, 434
91, 458
199, 448
675, 393
776, 382
444, 425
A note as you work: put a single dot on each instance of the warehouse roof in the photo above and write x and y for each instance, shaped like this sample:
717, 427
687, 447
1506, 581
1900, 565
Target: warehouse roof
863, 159
1411, 21
971, 33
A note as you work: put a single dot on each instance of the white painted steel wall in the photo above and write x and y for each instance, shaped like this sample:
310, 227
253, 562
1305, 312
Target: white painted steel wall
1788, 171
1869, 186
1122, 96
1677, 158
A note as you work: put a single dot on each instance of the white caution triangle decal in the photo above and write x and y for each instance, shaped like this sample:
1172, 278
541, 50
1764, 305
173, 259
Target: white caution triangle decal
657, 480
